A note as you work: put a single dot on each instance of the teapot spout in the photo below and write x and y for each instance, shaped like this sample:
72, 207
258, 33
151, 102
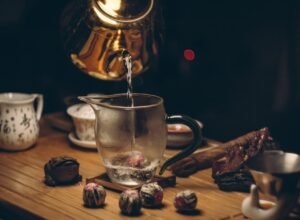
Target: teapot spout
90, 100
93, 100
106, 101
85, 99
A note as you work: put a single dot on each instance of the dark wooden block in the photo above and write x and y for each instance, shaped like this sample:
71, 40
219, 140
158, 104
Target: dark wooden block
103, 179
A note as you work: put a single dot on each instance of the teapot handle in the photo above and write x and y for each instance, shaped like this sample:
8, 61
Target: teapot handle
40, 105
197, 134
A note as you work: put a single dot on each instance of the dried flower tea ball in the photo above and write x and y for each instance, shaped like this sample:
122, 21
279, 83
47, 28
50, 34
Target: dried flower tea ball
185, 201
151, 195
136, 159
130, 202
93, 195
61, 170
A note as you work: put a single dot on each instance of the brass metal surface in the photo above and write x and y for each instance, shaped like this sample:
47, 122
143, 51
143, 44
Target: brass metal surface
95, 34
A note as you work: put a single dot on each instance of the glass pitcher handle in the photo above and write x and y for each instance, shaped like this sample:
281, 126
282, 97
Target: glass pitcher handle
197, 138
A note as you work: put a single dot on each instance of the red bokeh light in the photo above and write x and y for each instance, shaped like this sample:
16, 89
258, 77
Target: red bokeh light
189, 54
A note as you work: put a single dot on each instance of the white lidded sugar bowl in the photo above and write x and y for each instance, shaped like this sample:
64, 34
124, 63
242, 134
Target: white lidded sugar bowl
19, 127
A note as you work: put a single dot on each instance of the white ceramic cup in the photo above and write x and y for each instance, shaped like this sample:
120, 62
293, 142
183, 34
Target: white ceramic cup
84, 121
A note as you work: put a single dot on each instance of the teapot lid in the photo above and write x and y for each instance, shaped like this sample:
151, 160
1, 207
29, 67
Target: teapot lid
125, 10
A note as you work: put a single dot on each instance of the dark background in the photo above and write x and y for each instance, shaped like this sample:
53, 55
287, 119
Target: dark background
246, 73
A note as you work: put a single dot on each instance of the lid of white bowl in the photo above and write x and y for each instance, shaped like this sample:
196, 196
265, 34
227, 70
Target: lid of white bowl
83, 111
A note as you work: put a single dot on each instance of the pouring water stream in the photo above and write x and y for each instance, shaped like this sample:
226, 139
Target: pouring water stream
128, 63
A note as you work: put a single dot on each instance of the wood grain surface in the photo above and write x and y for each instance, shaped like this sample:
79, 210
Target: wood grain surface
23, 193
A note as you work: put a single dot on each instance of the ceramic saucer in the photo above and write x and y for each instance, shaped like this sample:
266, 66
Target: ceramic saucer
86, 144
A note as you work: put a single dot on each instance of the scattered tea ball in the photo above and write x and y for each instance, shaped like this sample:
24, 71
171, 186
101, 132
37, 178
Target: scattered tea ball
185, 201
136, 159
93, 195
130, 202
151, 195
62, 170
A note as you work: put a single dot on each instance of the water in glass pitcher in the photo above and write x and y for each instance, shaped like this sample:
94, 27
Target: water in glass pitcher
131, 168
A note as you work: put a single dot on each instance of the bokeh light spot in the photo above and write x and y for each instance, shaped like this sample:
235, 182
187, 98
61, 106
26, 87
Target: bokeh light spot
189, 54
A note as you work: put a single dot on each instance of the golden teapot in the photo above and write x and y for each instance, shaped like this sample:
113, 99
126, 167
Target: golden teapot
97, 33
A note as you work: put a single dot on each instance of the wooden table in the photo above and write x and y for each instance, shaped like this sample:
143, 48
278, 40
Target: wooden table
24, 195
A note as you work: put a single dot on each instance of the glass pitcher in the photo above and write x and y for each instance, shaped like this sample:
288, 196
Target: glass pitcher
131, 140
